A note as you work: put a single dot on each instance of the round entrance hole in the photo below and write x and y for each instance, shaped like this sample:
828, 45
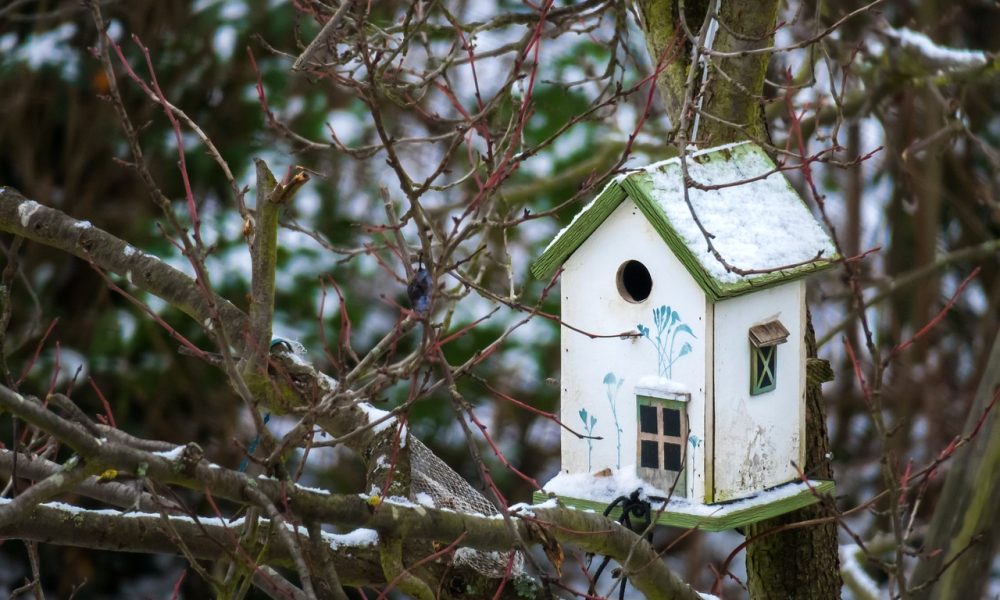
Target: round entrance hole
634, 282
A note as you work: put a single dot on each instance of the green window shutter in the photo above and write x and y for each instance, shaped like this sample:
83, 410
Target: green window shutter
763, 369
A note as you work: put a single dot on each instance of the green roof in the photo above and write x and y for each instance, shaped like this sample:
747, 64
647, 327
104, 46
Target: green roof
757, 220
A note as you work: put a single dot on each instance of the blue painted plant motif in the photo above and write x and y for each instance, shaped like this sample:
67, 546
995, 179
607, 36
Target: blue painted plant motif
695, 442
668, 326
614, 385
588, 428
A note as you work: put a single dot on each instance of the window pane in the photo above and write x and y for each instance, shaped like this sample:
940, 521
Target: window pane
759, 362
763, 366
768, 364
672, 456
671, 422
648, 458
647, 419
772, 364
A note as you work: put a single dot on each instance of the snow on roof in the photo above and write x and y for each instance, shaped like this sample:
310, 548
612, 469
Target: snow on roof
615, 181
758, 225
758, 222
575, 218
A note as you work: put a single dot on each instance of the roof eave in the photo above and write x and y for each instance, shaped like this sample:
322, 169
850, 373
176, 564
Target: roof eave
545, 266
774, 278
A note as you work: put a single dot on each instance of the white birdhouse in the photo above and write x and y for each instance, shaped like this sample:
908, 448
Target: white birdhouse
702, 400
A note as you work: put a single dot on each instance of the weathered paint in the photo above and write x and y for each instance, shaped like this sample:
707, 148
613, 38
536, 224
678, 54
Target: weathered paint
709, 483
757, 438
592, 368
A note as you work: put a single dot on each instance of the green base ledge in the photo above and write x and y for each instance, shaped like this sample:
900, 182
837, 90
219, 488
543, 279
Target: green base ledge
716, 517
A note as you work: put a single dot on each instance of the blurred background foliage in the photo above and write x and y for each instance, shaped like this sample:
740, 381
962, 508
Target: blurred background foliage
932, 190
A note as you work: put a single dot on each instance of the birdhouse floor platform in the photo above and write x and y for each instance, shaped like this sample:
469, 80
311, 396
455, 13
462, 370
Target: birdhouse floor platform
678, 512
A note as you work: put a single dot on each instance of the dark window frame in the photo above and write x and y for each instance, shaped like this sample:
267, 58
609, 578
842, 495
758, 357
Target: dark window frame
669, 449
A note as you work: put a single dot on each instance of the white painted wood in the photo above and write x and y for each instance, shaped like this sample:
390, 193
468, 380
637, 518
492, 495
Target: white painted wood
591, 301
757, 437
709, 443
803, 440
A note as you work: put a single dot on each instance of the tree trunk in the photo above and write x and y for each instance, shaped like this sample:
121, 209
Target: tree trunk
733, 106
731, 101
966, 515
803, 562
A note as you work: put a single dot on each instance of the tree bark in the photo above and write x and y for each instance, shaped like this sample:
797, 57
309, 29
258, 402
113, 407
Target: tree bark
731, 102
801, 562
733, 105
964, 528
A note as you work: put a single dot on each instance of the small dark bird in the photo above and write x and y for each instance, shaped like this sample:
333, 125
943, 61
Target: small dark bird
419, 290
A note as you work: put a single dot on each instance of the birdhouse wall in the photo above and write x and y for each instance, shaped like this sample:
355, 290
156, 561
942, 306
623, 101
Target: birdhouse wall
599, 375
757, 437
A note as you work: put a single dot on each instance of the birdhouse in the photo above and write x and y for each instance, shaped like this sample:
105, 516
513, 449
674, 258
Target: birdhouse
682, 341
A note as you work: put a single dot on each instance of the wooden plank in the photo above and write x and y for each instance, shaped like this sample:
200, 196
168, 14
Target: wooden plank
675, 516
709, 454
771, 333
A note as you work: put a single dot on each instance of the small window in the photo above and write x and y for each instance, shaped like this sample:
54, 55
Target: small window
764, 340
763, 368
634, 281
648, 456
671, 422
672, 456
647, 419
662, 435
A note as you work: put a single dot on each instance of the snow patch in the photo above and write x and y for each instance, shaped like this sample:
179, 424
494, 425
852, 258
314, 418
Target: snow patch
653, 385
172, 454
355, 539
358, 538
577, 216
49, 48
314, 490
606, 489
424, 499
25, 210
854, 574
941, 56
378, 418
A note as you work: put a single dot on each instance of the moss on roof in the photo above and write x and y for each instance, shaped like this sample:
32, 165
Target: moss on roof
757, 221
